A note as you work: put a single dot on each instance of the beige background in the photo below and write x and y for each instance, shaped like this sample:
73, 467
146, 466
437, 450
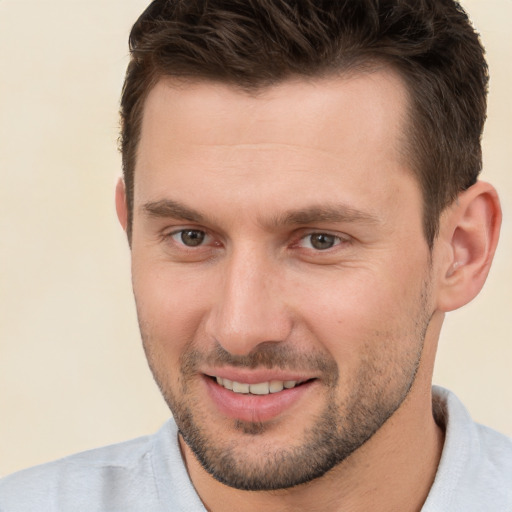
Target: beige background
72, 373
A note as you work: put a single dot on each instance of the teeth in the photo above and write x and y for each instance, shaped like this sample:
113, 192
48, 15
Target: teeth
261, 388
240, 387
276, 386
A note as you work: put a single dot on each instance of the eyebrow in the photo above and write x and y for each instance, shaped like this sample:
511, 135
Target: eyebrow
167, 208
335, 213
325, 213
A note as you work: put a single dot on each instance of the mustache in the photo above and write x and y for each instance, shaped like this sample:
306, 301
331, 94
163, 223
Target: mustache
266, 355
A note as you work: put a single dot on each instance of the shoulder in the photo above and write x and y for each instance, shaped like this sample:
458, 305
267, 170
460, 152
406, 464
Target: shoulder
146, 473
475, 472
85, 481
475, 441
494, 450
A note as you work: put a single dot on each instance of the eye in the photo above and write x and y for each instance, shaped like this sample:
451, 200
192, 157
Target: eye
189, 237
320, 241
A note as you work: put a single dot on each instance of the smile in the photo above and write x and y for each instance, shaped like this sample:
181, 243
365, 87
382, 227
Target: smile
259, 388
257, 396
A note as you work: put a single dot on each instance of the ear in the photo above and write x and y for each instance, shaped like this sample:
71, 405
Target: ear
121, 208
468, 237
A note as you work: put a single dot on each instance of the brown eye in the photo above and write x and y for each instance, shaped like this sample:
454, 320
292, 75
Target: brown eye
191, 237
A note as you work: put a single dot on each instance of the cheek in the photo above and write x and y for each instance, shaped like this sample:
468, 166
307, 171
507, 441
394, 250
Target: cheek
170, 305
360, 308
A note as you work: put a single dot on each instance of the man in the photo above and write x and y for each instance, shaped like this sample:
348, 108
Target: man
301, 201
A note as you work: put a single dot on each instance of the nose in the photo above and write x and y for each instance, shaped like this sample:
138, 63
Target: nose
251, 304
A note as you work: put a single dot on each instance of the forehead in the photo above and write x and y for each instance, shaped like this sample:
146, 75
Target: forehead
373, 104
297, 139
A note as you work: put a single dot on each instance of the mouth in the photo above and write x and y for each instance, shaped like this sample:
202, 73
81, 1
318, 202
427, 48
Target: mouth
258, 388
253, 398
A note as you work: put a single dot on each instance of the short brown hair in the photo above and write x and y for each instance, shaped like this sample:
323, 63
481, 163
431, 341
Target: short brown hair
256, 43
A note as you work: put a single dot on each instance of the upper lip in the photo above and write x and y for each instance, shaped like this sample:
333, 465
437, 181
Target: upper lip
250, 376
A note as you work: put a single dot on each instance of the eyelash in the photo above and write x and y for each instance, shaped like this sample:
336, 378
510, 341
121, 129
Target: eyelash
207, 242
335, 239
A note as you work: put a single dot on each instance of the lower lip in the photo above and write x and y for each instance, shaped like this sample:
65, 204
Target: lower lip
255, 408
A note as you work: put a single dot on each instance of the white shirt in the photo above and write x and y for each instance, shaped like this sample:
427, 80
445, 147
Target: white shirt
147, 474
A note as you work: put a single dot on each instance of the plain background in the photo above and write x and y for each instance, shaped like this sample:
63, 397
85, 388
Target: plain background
72, 373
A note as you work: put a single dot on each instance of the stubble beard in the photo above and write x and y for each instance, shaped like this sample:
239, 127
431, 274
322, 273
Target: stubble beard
343, 426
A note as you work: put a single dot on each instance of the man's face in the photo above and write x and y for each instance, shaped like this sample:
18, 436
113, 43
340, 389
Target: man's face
280, 270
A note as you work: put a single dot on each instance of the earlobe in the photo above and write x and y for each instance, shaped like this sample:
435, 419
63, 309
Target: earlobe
121, 208
470, 231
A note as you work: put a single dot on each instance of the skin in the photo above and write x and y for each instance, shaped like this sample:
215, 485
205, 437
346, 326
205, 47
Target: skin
257, 177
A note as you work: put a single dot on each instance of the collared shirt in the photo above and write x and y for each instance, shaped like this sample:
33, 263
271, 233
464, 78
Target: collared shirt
148, 474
